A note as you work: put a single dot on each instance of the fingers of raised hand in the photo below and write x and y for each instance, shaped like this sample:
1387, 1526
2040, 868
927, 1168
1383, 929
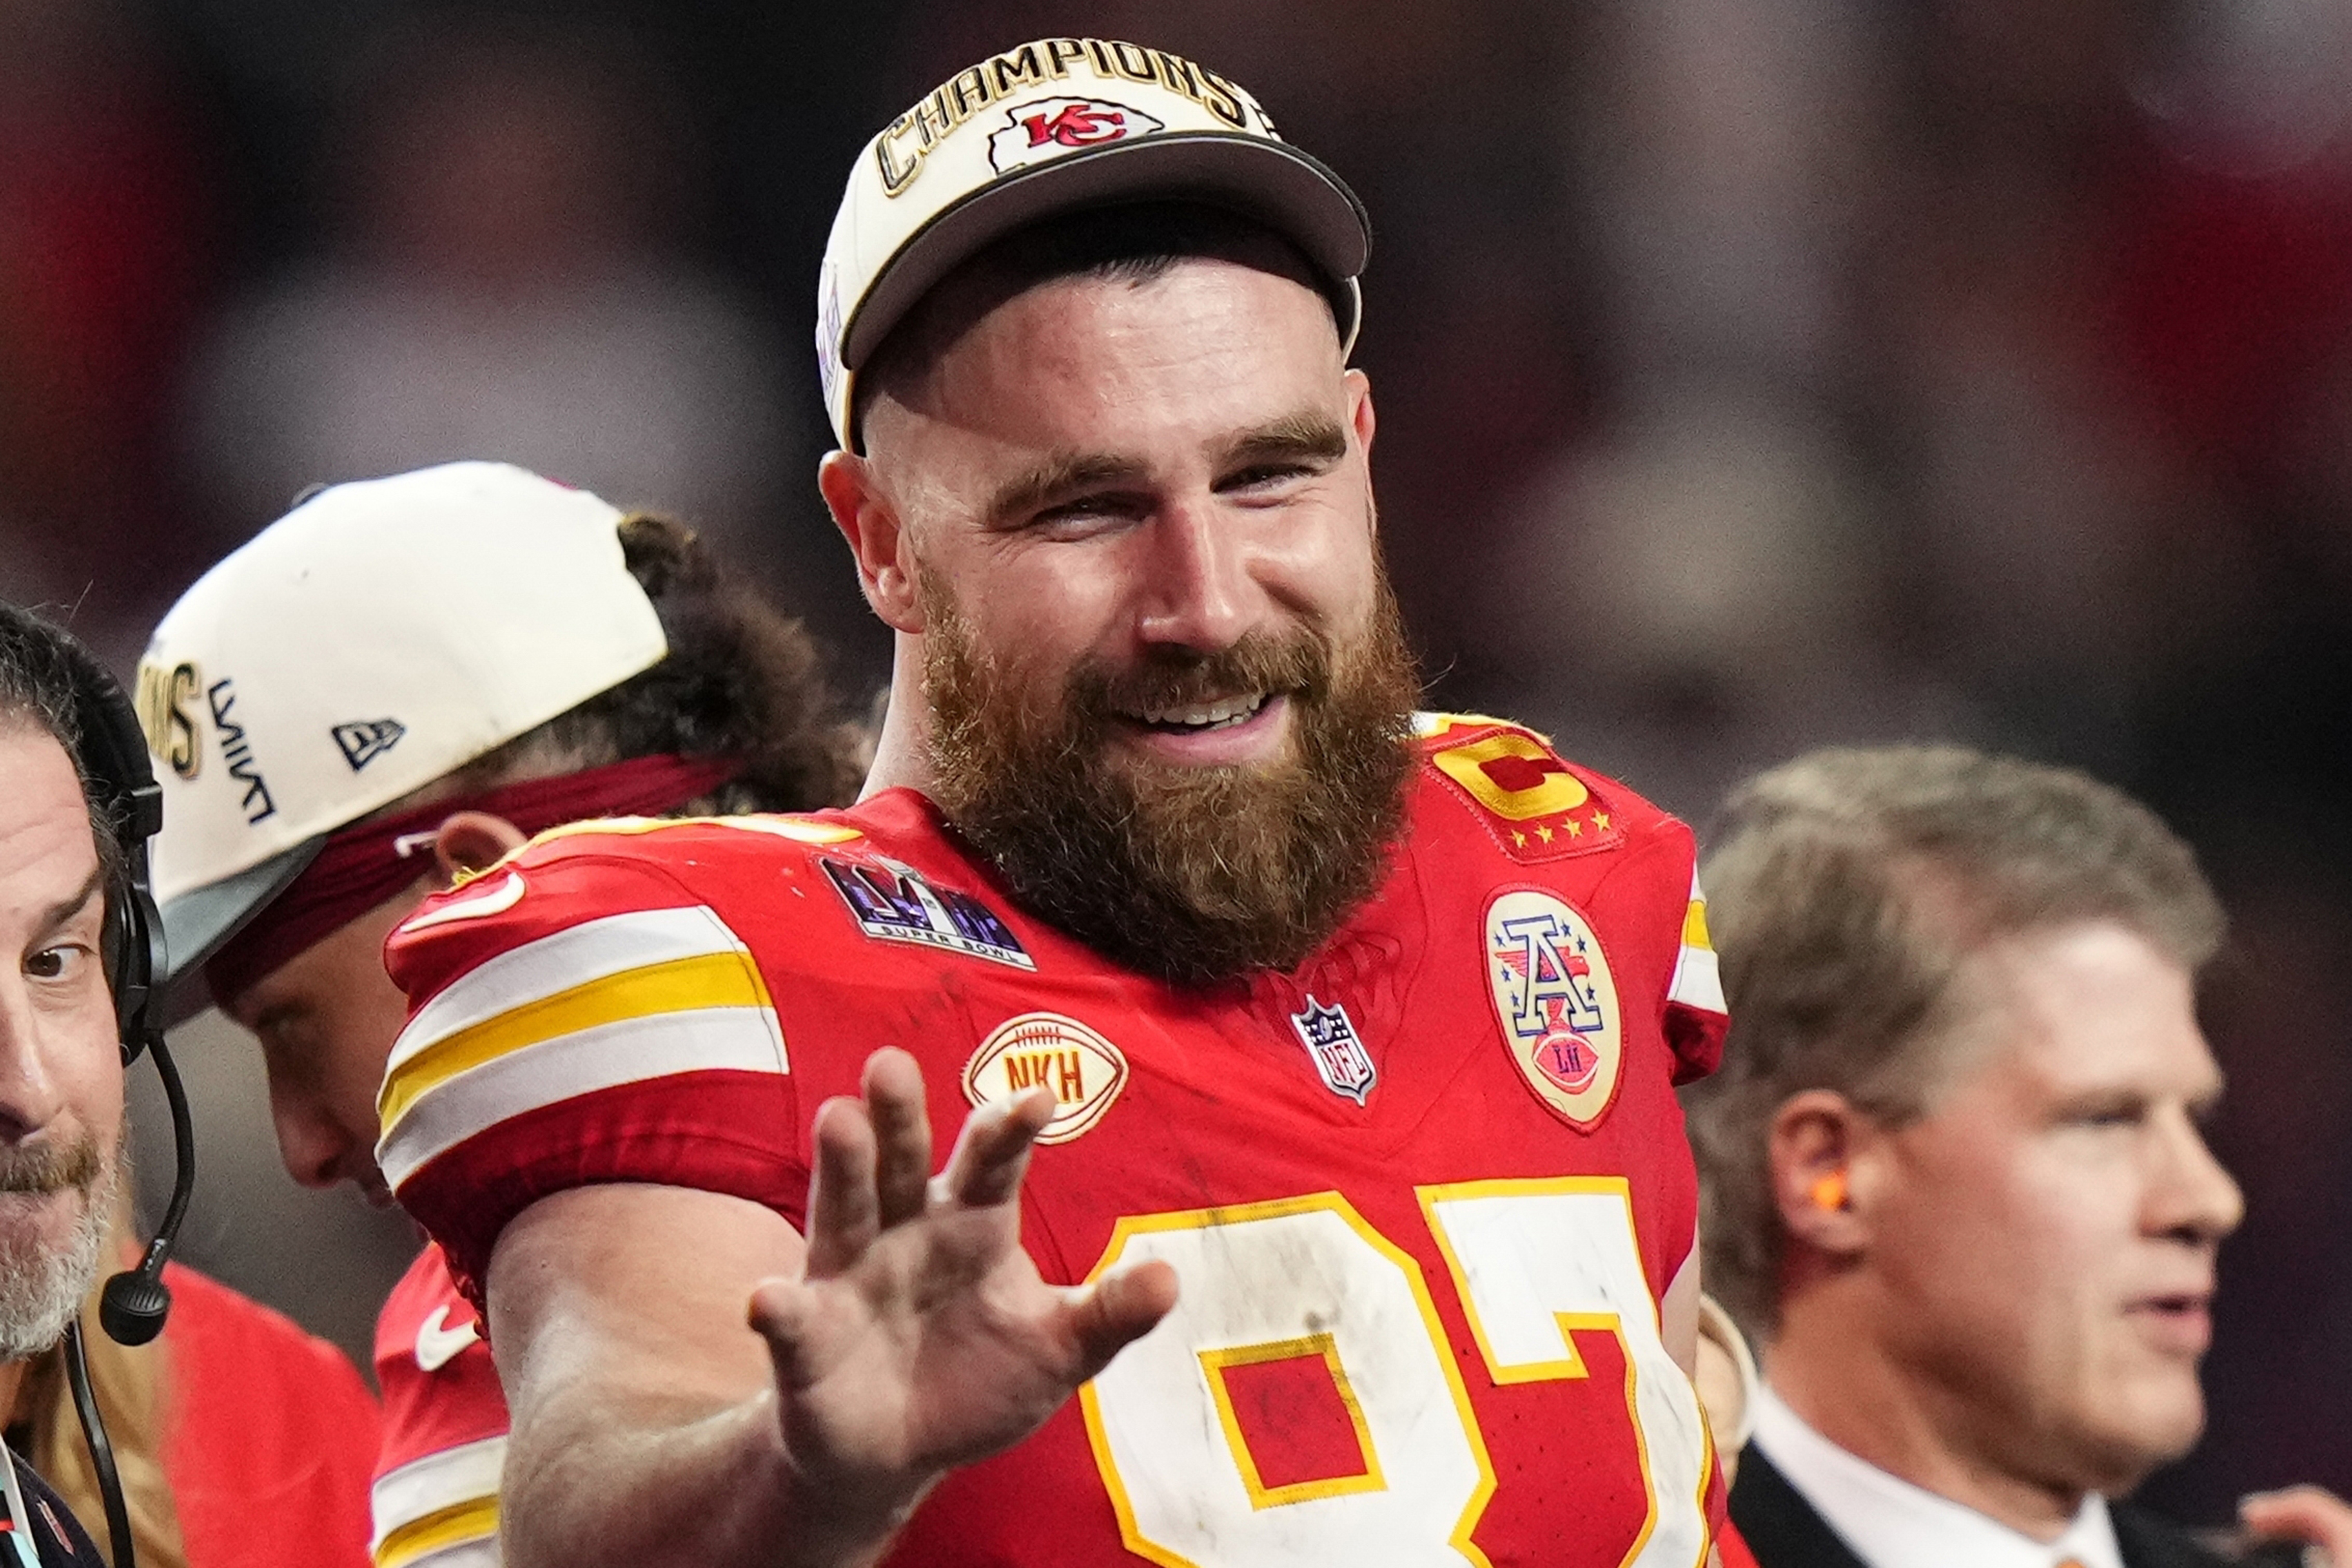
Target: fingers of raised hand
845, 1210
2306, 1513
902, 1131
993, 1150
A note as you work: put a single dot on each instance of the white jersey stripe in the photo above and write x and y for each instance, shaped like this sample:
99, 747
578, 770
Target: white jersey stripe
628, 1050
439, 1480
1697, 981
557, 963
1698, 978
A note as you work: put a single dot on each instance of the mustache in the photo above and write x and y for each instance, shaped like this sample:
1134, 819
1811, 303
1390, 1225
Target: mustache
46, 1168
1299, 664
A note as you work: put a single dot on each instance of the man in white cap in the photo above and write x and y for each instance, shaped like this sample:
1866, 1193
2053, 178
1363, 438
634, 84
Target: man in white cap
389, 687
1319, 1056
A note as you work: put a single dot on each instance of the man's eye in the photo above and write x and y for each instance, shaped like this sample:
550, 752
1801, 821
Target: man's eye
1266, 476
55, 963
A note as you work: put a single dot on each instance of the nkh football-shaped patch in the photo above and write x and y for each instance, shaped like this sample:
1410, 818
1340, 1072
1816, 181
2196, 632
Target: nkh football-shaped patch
1556, 1002
1084, 1070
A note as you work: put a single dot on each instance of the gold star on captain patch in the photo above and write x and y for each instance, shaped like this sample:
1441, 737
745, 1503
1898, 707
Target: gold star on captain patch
1544, 833
1601, 820
1518, 840
1575, 829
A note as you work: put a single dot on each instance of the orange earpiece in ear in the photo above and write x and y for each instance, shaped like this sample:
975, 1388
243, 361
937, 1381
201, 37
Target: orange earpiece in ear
1829, 1192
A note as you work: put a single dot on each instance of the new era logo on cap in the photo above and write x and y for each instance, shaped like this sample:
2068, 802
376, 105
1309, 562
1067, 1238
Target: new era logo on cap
367, 739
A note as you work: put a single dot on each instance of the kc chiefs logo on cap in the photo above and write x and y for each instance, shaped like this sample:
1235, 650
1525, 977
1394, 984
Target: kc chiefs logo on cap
1053, 126
1556, 1002
1534, 805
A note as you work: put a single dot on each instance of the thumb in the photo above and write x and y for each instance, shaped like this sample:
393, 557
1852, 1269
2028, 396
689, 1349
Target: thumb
1114, 1312
780, 1312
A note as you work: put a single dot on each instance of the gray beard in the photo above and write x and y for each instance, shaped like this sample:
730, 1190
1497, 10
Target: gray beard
41, 1288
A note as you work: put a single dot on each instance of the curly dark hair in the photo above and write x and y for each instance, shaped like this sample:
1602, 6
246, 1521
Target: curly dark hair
742, 680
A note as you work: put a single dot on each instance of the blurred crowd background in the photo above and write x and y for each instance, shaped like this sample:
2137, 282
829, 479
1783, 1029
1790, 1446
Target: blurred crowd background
1753, 374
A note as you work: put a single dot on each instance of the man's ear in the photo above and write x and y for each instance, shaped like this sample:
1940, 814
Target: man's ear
471, 842
870, 522
1360, 409
1821, 1153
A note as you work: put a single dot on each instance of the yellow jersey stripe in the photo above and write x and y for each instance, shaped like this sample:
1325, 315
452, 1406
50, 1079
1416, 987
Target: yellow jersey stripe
680, 985
631, 1051
558, 961
469, 1521
1695, 927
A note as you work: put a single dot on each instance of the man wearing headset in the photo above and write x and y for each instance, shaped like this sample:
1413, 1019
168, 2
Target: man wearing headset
388, 688
62, 1062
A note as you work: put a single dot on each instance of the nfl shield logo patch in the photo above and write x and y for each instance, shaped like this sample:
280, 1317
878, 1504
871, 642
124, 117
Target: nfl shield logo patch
1338, 1054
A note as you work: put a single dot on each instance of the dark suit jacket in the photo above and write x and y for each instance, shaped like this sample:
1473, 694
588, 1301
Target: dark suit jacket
1783, 1531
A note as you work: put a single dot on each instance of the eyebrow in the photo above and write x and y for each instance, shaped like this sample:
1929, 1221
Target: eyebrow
1313, 436
55, 917
1296, 437
1059, 476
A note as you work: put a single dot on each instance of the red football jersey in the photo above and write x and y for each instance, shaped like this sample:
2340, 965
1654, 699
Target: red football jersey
436, 1498
1422, 1196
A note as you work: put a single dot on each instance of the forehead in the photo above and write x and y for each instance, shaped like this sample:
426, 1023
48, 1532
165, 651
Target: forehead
1079, 362
46, 850
2086, 1007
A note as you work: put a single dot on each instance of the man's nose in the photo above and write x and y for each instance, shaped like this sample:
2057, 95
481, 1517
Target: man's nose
30, 1095
1198, 593
309, 1143
2195, 1197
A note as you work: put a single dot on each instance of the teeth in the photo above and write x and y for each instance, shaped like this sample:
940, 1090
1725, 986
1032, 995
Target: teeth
1224, 711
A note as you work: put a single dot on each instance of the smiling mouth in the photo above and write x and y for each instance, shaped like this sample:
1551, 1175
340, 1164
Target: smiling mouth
1199, 719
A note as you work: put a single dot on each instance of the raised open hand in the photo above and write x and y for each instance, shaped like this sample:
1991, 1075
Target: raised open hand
920, 1335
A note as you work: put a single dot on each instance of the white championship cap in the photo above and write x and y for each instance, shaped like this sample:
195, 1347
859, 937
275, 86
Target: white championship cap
380, 635
1048, 127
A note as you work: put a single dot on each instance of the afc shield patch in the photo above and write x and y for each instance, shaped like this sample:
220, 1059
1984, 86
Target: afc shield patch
1084, 1070
1556, 1000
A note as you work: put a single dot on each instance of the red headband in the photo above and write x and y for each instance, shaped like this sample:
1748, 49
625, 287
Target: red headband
365, 864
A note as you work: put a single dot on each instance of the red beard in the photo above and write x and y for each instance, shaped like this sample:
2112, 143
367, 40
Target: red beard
1196, 874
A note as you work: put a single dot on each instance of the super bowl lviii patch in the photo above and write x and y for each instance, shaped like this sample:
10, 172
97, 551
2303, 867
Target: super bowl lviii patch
893, 903
1556, 1002
1050, 1050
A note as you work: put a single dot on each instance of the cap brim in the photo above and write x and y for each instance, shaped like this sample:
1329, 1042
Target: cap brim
1276, 183
196, 923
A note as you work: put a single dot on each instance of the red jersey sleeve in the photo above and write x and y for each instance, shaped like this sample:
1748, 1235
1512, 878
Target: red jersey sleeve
578, 1015
435, 1497
1695, 1020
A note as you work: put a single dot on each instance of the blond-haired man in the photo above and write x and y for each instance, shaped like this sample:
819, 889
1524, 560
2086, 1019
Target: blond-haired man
1953, 1173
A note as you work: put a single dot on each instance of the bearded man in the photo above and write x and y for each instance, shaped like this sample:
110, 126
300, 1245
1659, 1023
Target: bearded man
1318, 1055
61, 1116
